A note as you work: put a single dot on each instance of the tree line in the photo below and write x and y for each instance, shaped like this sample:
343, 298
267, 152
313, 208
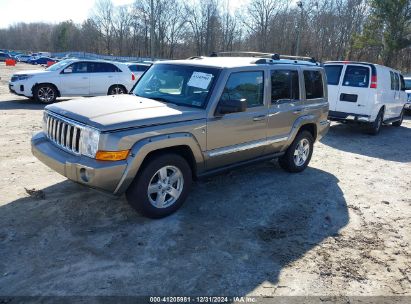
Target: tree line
366, 30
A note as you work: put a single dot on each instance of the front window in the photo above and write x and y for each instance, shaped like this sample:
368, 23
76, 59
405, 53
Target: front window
245, 85
178, 84
59, 65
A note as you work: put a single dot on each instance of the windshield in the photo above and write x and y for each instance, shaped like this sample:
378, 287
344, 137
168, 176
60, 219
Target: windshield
57, 66
407, 84
179, 84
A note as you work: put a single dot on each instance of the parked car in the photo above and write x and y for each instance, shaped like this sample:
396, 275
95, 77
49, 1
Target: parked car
23, 58
4, 56
407, 82
187, 119
40, 60
366, 93
73, 78
138, 69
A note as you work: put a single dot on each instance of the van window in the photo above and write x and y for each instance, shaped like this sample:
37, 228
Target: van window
284, 85
313, 84
407, 84
333, 73
356, 76
397, 82
392, 80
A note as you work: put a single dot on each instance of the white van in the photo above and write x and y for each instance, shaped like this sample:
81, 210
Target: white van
365, 92
408, 91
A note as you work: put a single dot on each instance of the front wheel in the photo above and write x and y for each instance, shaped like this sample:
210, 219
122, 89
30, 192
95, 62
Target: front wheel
45, 93
298, 155
161, 187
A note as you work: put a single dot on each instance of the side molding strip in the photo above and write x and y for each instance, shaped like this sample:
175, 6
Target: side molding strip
244, 147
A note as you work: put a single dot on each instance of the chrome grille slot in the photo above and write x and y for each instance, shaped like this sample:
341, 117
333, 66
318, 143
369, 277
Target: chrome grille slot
63, 133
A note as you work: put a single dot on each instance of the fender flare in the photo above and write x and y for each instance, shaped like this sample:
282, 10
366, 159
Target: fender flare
298, 123
142, 148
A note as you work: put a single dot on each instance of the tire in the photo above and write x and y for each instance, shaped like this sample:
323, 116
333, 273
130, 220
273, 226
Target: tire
117, 90
45, 93
398, 123
375, 127
296, 163
159, 202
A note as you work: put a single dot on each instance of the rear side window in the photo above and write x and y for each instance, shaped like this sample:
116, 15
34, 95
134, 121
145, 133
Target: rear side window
103, 67
138, 68
313, 84
397, 82
245, 85
392, 80
284, 85
356, 76
333, 73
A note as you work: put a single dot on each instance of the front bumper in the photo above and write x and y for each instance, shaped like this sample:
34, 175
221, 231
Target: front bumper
20, 88
102, 175
343, 116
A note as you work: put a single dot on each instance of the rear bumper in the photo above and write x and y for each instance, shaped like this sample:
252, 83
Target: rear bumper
101, 175
323, 128
344, 116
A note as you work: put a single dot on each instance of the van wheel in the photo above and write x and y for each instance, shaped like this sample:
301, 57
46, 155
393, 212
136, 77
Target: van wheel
45, 93
161, 187
398, 123
298, 155
375, 127
116, 90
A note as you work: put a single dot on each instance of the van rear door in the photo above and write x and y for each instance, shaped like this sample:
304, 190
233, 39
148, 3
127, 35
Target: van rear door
354, 95
333, 72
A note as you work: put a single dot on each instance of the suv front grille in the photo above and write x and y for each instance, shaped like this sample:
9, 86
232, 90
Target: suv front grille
63, 133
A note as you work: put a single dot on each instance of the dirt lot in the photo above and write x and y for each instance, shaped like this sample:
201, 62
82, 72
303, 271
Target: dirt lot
342, 227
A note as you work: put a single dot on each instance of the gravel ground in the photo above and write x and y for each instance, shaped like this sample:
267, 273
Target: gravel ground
340, 228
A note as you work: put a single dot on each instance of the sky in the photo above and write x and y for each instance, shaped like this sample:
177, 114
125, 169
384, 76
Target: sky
54, 11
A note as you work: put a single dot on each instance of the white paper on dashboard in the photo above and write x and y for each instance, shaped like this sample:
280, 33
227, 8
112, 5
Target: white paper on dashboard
200, 80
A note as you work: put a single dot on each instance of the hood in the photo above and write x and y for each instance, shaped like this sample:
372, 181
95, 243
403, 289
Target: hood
31, 72
115, 112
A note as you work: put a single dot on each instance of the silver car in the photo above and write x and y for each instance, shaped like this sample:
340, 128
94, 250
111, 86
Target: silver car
184, 120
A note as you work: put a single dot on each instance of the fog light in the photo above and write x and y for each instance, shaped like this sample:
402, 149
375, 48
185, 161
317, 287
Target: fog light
112, 155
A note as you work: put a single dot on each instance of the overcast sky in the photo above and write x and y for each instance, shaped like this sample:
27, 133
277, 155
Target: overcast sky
14, 11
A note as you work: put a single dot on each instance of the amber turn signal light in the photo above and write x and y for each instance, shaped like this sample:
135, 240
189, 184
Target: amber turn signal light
112, 155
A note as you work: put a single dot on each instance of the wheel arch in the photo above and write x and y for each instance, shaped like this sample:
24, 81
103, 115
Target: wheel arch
46, 83
183, 144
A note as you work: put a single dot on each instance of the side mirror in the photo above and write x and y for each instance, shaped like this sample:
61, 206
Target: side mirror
231, 106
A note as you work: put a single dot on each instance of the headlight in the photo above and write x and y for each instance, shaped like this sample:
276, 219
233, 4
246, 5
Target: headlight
24, 77
89, 141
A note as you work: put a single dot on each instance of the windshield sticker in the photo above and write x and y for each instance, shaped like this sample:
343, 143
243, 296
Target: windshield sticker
200, 80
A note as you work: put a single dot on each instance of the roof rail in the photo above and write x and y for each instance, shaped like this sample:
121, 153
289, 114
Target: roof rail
273, 56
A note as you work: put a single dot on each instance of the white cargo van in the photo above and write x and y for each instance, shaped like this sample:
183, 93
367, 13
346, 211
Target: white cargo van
364, 92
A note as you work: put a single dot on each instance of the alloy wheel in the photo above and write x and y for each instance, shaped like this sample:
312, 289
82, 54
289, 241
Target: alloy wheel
301, 153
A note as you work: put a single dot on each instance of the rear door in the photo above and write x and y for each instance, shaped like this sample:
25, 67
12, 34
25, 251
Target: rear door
103, 76
334, 72
354, 94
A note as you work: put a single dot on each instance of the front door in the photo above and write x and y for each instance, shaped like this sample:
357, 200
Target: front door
75, 80
237, 137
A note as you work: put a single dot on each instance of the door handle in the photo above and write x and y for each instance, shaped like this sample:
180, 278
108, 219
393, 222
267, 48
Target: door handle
259, 118
297, 111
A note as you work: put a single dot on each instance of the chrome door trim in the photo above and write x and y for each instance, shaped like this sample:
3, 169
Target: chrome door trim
245, 146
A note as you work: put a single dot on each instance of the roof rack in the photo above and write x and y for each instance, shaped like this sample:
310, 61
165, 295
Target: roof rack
273, 56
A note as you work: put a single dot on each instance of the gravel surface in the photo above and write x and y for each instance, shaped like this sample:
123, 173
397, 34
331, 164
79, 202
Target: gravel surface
342, 227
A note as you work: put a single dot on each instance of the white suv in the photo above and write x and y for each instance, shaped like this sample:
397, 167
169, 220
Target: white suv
73, 77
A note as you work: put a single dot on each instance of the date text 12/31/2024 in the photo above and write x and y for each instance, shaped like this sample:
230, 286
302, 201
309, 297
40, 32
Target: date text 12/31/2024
206, 299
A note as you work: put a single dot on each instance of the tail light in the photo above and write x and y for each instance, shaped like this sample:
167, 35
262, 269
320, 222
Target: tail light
373, 82
133, 77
